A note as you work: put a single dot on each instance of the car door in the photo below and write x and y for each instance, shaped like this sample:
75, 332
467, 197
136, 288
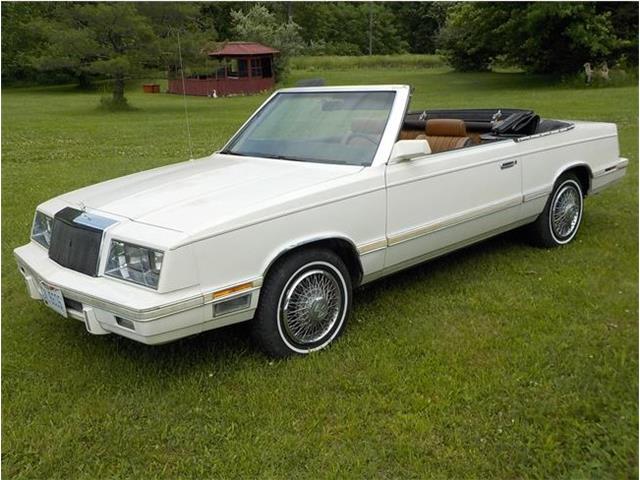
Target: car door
442, 201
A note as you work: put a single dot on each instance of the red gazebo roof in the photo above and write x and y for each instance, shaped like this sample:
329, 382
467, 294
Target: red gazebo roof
237, 49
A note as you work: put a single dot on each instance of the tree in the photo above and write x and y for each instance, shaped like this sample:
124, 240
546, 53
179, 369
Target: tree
543, 37
260, 25
118, 40
420, 23
21, 37
343, 27
178, 21
218, 15
624, 19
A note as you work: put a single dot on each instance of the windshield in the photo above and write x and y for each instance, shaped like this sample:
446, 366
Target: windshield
327, 127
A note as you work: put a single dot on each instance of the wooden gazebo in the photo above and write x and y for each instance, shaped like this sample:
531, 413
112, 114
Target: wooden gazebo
244, 67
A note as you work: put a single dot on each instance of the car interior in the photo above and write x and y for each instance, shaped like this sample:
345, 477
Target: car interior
447, 130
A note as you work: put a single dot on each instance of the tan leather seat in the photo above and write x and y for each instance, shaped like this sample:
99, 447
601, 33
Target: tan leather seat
410, 134
445, 134
365, 132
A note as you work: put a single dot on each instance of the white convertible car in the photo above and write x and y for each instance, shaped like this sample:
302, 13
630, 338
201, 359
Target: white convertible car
320, 191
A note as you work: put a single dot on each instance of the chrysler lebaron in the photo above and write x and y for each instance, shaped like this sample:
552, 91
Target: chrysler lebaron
322, 190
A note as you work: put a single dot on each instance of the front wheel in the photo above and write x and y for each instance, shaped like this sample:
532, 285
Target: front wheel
304, 303
558, 224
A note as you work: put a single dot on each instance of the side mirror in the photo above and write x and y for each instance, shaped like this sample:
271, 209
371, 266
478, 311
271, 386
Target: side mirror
408, 149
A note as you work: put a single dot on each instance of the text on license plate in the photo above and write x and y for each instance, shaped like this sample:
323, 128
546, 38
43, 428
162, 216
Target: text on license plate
53, 298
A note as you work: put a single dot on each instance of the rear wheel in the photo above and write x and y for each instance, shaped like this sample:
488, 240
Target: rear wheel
558, 224
304, 303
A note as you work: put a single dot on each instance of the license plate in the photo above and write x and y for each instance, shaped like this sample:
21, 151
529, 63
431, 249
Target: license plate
53, 298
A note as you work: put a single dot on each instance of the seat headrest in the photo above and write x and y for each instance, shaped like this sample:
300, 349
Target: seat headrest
371, 126
445, 127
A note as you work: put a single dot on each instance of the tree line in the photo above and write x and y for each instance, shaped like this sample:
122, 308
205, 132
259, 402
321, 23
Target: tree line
62, 41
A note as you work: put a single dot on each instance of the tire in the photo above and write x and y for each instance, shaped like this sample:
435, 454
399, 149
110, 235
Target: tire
304, 303
566, 200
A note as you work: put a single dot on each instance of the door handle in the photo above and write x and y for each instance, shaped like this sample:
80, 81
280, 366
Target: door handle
509, 164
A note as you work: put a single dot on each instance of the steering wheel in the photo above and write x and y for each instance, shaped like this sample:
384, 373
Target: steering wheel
353, 136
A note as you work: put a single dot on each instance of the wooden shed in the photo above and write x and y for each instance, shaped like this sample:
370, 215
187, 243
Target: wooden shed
244, 67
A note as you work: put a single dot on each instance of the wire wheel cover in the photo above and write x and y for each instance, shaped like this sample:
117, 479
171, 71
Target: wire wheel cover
311, 306
565, 211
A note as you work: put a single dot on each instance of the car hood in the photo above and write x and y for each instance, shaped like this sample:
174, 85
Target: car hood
197, 194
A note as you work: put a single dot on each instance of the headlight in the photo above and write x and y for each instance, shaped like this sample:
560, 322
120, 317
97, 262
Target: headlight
41, 231
135, 264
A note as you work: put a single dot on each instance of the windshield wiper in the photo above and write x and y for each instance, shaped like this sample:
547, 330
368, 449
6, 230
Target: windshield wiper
258, 155
284, 157
229, 152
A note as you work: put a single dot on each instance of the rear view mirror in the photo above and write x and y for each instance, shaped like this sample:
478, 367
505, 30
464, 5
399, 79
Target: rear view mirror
408, 149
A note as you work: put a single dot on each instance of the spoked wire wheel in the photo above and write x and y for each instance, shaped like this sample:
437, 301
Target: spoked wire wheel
565, 211
312, 307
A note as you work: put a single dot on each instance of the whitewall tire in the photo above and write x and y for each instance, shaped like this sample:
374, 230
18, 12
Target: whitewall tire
560, 221
304, 303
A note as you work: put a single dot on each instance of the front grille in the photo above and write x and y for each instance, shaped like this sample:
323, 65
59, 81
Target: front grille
75, 245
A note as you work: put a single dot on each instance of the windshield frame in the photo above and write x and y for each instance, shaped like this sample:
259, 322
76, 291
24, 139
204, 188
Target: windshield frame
387, 139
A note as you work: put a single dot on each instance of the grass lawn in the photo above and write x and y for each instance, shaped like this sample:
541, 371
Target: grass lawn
499, 361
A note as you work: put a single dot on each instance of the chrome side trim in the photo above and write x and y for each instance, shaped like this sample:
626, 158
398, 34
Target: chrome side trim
609, 176
535, 194
621, 164
604, 172
372, 246
453, 220
573, 142
545, 134
443, 251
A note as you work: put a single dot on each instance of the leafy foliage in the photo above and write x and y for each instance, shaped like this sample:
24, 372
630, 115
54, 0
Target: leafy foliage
261, 25
541, 37
115, 40
22, 37
343, 28
420, 22
48, 42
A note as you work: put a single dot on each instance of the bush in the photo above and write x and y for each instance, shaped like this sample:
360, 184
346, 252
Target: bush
109, 104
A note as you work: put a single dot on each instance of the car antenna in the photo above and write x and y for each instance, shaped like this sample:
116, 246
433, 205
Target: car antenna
184, 98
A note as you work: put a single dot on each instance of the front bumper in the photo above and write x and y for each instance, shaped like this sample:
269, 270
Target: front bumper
102, 304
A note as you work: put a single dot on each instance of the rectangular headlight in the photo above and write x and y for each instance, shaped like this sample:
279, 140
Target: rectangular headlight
41, 230
134, 263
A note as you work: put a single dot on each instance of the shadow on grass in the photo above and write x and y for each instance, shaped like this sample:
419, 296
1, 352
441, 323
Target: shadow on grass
428, 270
231, 346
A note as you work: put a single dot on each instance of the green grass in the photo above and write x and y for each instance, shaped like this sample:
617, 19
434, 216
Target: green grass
499, 361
